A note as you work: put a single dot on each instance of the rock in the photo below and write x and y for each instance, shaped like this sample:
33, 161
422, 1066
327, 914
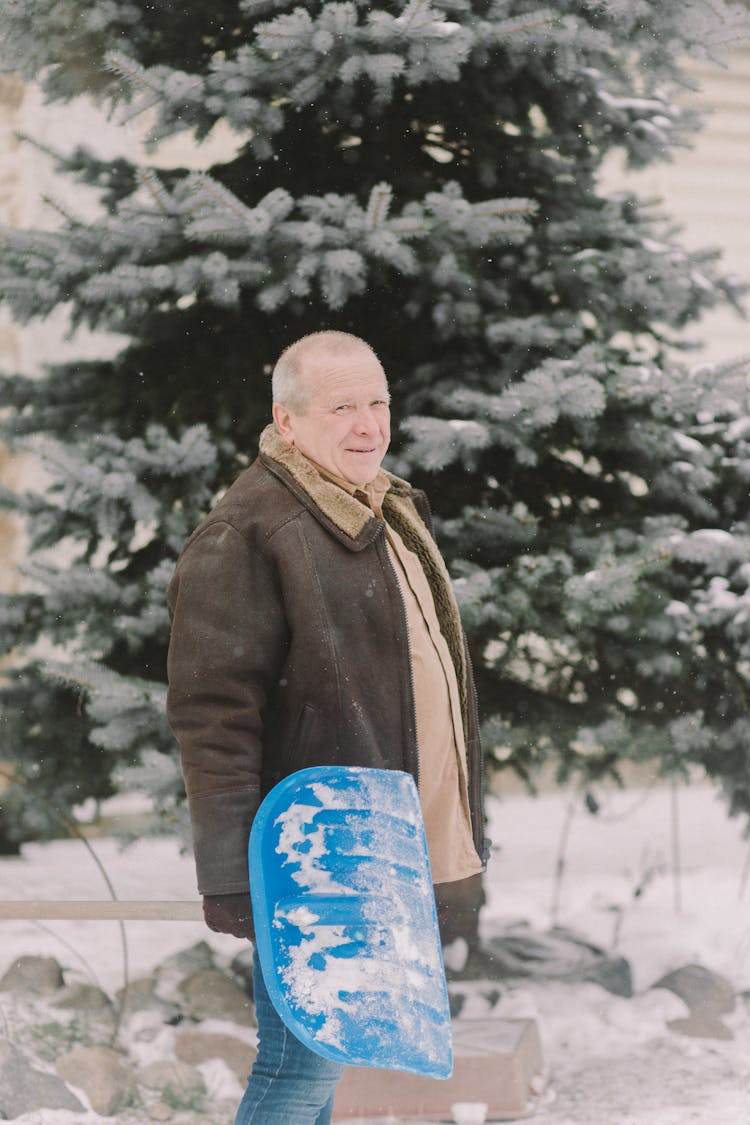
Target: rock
705, 992
197, 1047
39, 975
701, 1026
456, 1002
612, 973
140, 995
103, 1075
24, 1088
558, 954
173, 970
191, 960
51, 1038
160, 1112
211, 994
84, 998
241, 969
181, 1086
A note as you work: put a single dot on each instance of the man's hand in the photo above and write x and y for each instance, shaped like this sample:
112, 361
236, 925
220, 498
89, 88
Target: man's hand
229, 914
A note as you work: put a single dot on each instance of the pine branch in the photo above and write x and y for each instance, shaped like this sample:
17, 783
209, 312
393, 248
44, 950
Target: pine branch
63, 210
125, 67
284, 31
413, 10
378, 205
501, 207
216, 209
156, 190
528, 22
136, 76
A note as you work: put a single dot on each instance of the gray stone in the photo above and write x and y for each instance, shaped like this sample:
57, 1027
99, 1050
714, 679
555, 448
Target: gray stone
160, 1111
23, 1088
701, 1026
84, 997
705, 992
190, 960
197, 1047
613, 973
48, 1039
241, 969
558, 954
38, 975
180, 1085
103, 1075
140, 995
172, 970
211, 994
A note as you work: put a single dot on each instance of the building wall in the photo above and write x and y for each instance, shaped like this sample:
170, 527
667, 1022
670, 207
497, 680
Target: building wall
710, 187
706, 189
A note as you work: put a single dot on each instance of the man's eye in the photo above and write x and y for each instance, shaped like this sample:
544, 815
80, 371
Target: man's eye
342, 408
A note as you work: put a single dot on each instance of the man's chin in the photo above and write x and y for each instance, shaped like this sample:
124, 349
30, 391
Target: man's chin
363, 467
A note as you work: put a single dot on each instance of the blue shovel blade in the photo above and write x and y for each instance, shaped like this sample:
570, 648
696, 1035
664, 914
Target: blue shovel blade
345, 921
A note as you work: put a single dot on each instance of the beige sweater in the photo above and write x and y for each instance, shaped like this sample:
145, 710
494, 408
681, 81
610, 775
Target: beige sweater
440, 739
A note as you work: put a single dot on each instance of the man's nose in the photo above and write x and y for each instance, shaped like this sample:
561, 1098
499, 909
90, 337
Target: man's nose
366, 422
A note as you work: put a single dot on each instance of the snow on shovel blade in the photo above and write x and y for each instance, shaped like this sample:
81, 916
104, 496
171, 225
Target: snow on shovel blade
345, 920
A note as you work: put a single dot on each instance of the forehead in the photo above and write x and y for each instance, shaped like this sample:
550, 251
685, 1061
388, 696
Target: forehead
352, 373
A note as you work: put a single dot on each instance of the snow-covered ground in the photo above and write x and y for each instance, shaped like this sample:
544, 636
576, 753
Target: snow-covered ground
612, 1061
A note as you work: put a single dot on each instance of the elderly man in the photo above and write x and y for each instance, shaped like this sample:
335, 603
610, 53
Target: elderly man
313, 623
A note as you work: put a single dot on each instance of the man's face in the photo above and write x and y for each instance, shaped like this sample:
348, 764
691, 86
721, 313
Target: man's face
345, 425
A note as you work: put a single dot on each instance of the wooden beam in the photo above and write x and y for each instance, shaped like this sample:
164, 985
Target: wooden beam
93, 910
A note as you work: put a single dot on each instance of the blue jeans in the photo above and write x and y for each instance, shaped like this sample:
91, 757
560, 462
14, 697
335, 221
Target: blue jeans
289, 1084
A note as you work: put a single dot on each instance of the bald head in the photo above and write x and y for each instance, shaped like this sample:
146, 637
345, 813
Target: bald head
290, 383
331, 402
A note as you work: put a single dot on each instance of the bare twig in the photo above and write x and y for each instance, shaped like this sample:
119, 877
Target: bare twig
562, 854
676, 853
744, 876
650, 868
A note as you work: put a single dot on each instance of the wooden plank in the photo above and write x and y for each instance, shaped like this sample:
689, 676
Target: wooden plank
496, 1061
94, 910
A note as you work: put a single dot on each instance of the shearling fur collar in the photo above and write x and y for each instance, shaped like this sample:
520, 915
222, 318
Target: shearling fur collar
348, 514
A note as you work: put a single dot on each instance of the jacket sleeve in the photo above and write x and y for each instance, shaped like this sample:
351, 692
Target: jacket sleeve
225, 654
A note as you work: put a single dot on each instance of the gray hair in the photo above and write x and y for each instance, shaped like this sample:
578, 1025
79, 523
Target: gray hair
287, 380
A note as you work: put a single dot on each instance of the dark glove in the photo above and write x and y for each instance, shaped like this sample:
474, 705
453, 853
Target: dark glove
229, 914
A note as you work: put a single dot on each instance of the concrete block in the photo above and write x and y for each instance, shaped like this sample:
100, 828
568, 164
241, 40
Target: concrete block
497, 1061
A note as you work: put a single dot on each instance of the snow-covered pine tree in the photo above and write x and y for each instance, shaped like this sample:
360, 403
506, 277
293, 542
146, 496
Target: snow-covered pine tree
424, 174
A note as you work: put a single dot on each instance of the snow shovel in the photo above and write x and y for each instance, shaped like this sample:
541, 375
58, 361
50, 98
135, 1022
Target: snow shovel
345, 921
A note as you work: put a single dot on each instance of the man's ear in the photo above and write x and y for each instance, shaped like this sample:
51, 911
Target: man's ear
283, 420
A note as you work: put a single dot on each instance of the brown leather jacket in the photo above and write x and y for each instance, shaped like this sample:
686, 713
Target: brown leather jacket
289, 648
